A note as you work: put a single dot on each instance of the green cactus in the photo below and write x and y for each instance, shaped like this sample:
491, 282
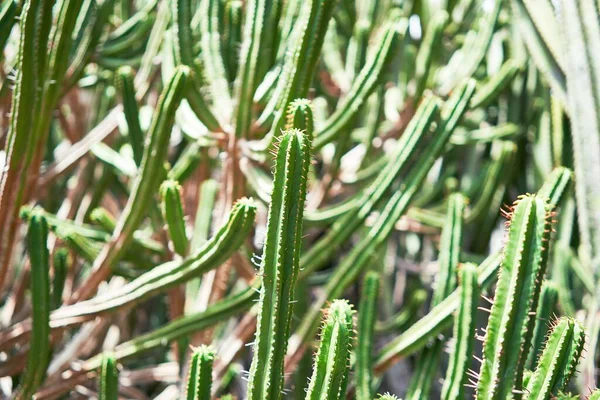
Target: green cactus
172, 211
37, 362
509, 331
464, 328
199, 380
280, 264
135, 132
367, 314
558, 361
108, 379
332, 361
545, 310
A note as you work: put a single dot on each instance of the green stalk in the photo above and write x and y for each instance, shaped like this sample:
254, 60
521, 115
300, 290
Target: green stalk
124, 78
367, 315
543, 314
464, 331
39, 351
211, 255
61, 268
332, 361
108, 378
509, 331
558, 361
199, 380
279, 267
172, 211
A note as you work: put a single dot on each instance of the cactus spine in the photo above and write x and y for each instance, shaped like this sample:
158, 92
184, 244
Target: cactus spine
279, 267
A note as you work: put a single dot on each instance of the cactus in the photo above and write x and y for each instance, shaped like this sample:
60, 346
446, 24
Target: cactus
558, 361
464, 328
199, 380
172, 211
108, 379
332, 361
509, 331
280, 265
544, 312
37, 238
367, 314
138, 130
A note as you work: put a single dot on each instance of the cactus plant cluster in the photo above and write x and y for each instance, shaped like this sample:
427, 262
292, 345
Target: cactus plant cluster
269, 199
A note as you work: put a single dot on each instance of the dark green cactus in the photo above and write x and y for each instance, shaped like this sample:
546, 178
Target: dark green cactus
199, 380
108, 379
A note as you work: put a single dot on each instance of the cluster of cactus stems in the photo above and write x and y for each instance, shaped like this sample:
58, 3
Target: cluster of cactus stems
272, 199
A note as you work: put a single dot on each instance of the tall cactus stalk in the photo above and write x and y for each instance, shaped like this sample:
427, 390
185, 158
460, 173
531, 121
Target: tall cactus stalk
509, 331
280, 264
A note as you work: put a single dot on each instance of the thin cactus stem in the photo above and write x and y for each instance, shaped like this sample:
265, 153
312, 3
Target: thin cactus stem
199, 380
37, 362
558, 361
108, 378
490, 89
464, 329
211, 255
280, 265
510, 325
300, 116
22, 139
427, 51
332, 361
364, 84
367, 315
220, 311
543, 315
125, 84
144, 186
172, 211
61, 267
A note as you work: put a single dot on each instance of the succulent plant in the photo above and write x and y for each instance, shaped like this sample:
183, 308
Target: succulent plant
194, 194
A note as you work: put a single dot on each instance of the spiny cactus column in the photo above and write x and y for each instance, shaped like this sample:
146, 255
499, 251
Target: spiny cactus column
172, 211
199, 381
558, 360
332, 361
510, 325
280, 264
